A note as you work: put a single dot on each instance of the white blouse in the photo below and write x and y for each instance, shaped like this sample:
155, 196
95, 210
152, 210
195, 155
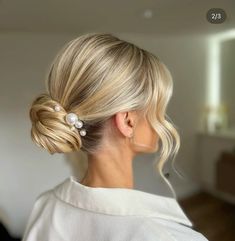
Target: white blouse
72, 211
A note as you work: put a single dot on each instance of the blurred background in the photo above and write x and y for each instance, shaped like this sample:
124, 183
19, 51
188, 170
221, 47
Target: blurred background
195, 39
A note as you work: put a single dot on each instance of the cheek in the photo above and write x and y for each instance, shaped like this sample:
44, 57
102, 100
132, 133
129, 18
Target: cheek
153, 136
149, 136
142, 133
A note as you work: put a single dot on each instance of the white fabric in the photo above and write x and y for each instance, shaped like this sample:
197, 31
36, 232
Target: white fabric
75, 212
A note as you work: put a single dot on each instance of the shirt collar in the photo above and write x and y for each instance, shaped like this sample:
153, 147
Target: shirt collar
119, 201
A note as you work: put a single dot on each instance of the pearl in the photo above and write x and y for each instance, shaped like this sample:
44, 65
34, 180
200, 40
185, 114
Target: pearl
57, 108
78, 124
83, 132
71, 118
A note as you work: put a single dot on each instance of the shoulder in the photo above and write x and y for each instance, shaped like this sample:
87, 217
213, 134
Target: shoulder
42, 198
37, 209
40, 203
155, 229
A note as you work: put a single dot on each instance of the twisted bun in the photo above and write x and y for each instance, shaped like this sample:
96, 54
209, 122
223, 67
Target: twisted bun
49, 128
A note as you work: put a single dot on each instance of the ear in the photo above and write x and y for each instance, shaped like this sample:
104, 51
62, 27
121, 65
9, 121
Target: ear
125, 122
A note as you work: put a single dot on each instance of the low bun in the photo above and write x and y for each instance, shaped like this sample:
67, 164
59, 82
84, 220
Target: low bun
49, 128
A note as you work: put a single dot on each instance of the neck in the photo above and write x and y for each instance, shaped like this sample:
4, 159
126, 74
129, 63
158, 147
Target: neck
107, 172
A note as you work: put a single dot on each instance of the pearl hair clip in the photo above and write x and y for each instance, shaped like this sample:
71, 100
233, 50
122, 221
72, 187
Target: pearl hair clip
73, 120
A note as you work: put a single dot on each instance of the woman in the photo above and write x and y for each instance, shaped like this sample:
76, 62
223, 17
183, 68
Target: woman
107, 98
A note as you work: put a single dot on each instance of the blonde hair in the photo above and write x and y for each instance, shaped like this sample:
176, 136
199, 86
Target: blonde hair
95, 76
